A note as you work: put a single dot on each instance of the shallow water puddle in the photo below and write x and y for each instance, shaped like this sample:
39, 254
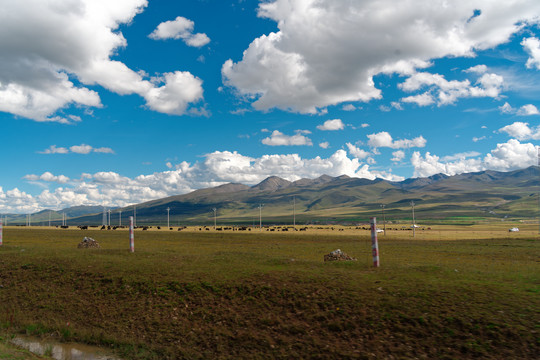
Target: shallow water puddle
62, 351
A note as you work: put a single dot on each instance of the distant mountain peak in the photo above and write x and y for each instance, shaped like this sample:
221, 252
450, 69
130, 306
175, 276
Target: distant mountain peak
324, 178
272, 183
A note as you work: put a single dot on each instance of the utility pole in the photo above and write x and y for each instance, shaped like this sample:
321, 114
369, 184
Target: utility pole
294, 212
49, 218
384, 219
260, 216
168, 210
120, 218
414, 225
215, 217
109, 211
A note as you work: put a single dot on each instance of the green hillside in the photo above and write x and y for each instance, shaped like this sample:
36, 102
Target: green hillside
482, 195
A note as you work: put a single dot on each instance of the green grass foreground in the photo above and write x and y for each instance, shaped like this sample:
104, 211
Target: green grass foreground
270, 295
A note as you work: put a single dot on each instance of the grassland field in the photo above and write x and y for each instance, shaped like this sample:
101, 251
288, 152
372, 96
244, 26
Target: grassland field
451, 292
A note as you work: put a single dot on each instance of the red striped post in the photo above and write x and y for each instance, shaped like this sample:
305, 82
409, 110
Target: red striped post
374, 243
131, 235
1, 230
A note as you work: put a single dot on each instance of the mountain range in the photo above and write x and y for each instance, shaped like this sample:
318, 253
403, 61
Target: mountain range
342, 199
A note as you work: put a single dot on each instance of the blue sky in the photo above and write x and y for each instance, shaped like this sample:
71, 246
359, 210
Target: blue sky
115, 103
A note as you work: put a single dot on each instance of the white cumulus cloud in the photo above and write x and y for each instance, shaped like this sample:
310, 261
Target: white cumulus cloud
47, 176
525, 110
180, 28
522, 131
532, 47
76, 149
424, 99
357, 152
46, 43
277, 138
448, 92
331, 125
507, 156
398, 156
384, 139
478, 69
326, 52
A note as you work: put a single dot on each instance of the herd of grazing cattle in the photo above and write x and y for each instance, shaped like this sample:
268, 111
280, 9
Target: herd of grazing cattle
239, 228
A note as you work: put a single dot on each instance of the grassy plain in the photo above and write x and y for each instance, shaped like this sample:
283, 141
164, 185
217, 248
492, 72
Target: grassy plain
451, 292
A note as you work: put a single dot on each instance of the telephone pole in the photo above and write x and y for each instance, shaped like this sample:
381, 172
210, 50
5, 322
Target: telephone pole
384, 219
294, 212
413, 224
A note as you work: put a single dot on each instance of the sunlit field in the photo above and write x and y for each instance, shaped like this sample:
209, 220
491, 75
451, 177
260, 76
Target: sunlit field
447, 292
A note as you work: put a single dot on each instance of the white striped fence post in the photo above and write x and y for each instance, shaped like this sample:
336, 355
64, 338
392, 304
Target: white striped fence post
131, 235
374, 243
1, 231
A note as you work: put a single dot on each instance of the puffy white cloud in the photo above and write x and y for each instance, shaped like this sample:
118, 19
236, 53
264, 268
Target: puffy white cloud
522, 131
424, 99
324, 145
179, 89
448, 92
81, 149
398, 156
532, 47
507, 156
357, 152
326, 52
47, 43
525, 110
219, 167
277, 138
384, 139
364, 125
478, 69
180, 28
76, 149
506, 108
49, 177
348, 107
331, 125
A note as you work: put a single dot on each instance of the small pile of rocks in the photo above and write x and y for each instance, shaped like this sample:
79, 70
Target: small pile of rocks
337, 255
88, 242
